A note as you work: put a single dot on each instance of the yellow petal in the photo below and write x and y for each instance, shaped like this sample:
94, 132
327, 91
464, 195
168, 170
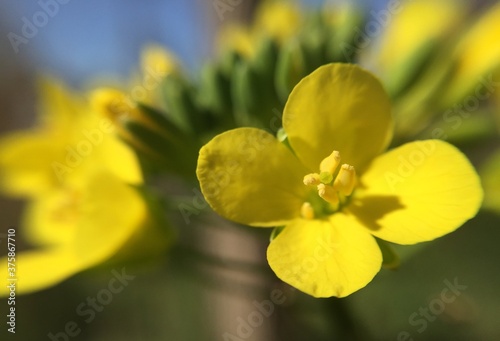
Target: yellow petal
338, 107
120, 159
40, 269
111, 212
26, 161
72, 141
248, 176
325, 258
108, 214
417, 192
57, 106
51, 219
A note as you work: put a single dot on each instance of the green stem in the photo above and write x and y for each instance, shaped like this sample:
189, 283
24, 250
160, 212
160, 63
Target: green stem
349, 328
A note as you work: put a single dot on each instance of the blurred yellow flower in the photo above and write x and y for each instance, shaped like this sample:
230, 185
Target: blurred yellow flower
407, 42
155, 59
156, 63
75, 228
277, 19
69, 140
77, 175
332, 212
477, 55
116, 106
237, 37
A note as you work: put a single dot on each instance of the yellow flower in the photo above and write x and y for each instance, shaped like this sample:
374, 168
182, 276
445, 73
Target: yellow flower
69, 140
114, 105
156, 60
156, 63
277, 19
335, 190
75, 228
77, 174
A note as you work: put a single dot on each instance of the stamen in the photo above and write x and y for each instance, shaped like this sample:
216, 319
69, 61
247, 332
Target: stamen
330, 163
346, 180
333, 185
307, 211
328, 194
312, 179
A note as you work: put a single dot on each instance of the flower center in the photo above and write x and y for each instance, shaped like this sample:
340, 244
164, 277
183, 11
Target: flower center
333, 187
66, 210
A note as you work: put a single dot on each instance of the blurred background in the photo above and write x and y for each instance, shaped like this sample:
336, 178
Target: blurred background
213, 294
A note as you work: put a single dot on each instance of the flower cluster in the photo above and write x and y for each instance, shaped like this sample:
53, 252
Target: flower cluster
79, 178
285, 129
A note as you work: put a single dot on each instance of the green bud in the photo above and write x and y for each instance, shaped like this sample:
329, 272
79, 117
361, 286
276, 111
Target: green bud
462, 127
290, 69
180, 104
344, 38
215, 91
252, 86
415, 110
229, 61
245, 91
160, 120
400, 77
313, 39
265, 58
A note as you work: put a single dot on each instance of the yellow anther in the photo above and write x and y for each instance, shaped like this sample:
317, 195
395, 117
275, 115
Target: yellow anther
312, 179
333, 186
307, 211
330, 163
328, 194
346, 180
